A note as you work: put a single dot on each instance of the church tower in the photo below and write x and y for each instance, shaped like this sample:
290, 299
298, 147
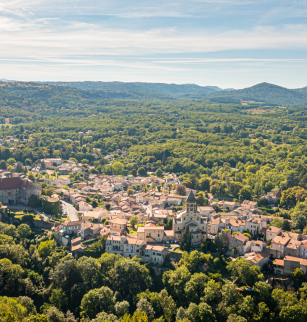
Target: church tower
191, 202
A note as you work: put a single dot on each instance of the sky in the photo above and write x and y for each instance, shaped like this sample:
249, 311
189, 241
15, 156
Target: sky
225, 43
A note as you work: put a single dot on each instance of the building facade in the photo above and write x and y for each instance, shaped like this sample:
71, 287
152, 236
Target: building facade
17, 190
192, 218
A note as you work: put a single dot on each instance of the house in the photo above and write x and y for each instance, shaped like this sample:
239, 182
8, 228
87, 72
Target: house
130, 247
151, 233
206, 211
288, 264
303, 250
272, 232
293, 248
89, 230
119, 223
249, 204
257, 246
280, 243
192, 218
258, 259
154, 254
254, 225
125, 246
240, 243
84, 206
52, 162
70, 227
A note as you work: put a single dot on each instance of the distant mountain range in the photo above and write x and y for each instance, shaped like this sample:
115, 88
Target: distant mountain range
260, 94
146, 88
263, 94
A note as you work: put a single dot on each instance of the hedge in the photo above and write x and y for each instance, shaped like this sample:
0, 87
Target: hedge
89, 241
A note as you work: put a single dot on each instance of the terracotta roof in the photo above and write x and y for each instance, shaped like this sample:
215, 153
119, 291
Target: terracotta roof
73, 248
281, 240
118, 221
296, 259
154, 228
241, 238
294, 244
279, 262
156, 248
273, 229
76, 240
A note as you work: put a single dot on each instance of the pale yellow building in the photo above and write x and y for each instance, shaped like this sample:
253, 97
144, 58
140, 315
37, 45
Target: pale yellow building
192, 218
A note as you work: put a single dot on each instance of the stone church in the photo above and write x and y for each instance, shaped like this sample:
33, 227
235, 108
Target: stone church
191, 217
17, 190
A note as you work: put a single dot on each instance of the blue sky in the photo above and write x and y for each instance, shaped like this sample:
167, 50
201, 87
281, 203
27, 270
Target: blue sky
227, 43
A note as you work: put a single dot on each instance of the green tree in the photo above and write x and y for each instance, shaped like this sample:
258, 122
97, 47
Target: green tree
2, 165
142, 171
117, 168
133, 221
202, 200
186, 240
95, 301
144, 306
247, 273
46, 248
159, 173
180, 190
24, 231
58, 298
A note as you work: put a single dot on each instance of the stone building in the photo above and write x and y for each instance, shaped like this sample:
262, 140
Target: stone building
192, 218
17, 190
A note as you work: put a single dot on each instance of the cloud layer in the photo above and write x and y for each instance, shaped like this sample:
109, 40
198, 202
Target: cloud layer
178, 41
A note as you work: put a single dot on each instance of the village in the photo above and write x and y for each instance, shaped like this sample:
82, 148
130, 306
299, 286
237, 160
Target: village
150, 222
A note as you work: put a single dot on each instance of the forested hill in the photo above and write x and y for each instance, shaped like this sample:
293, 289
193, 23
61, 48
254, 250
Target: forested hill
267, 93
264, 93
137, 87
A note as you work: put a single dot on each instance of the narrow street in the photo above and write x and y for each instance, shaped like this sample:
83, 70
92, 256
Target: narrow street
71, 211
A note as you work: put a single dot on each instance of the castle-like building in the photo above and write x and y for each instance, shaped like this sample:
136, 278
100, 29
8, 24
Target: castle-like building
17, 190
190, 217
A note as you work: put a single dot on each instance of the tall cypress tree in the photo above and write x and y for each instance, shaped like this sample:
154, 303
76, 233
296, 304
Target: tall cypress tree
186, 240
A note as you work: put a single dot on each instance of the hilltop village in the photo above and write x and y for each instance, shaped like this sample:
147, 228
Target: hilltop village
150, 222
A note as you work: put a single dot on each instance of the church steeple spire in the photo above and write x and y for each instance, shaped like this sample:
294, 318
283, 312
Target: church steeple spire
191, 202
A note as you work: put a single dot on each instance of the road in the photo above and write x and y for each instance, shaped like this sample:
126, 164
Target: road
71, 211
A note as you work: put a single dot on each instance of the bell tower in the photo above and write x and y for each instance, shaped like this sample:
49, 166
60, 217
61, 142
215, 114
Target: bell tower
191, 202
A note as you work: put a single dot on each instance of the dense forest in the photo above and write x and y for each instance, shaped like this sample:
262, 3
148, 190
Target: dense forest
234, 150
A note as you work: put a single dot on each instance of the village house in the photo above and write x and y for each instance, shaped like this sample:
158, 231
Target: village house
293, 248
206, 211
130, 247
52, 163
258, 259
272, 232
89, 230
280, 243
240, 243
70, 227
119, 223
249, 204
288, 264
84, 206
151, 233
